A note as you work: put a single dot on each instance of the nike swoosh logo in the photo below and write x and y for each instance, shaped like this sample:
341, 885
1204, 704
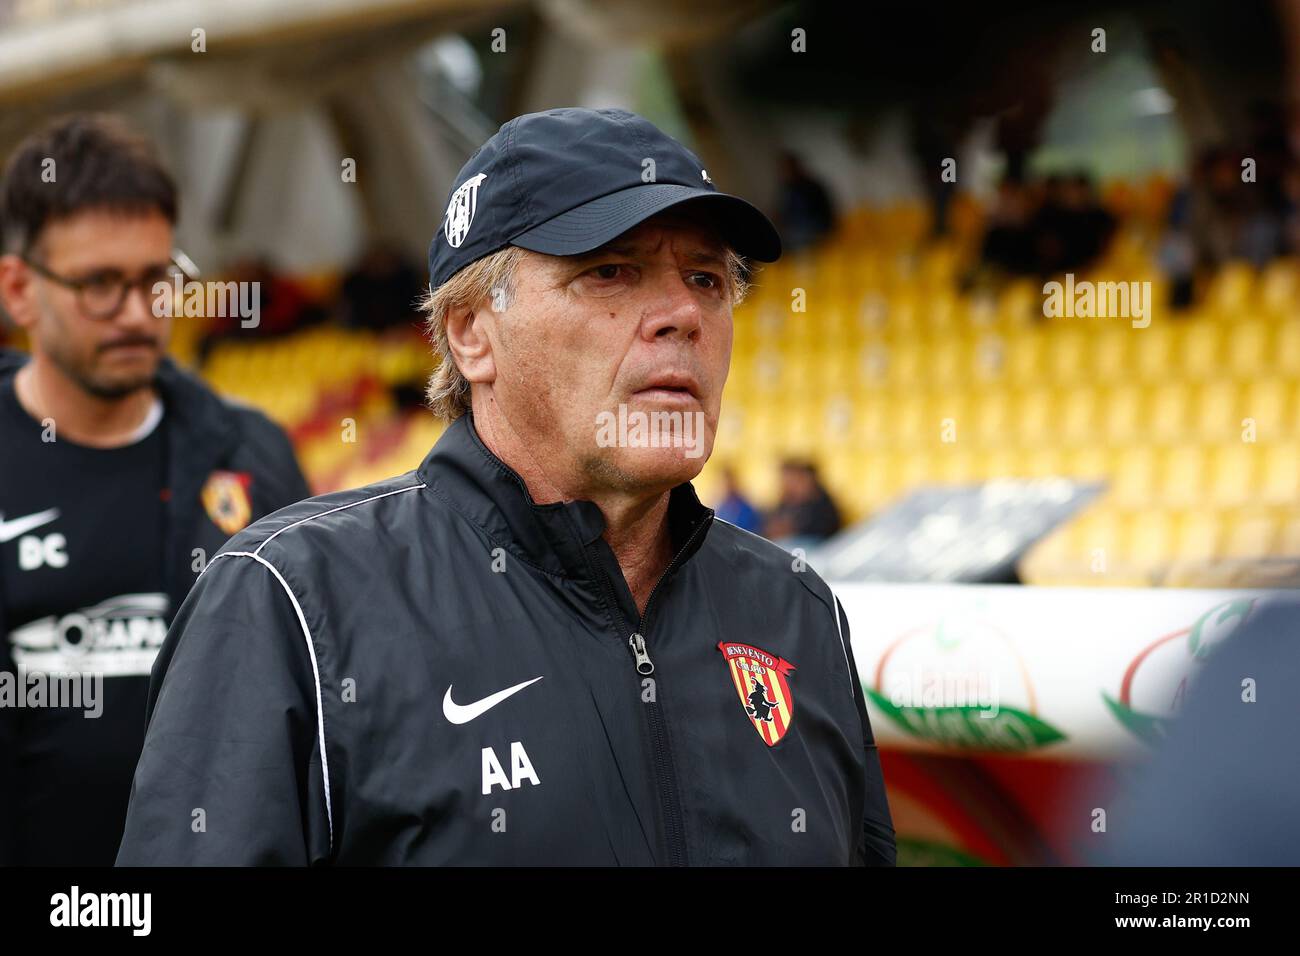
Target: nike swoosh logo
15, 526
463, 714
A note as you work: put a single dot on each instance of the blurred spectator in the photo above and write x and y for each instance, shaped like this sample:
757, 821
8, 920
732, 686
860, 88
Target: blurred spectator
1008, 243
381, 292
735, 507
805, 213
1070, 228
1048, 228
1291, 211
806, 514
1087, 226
1218, 216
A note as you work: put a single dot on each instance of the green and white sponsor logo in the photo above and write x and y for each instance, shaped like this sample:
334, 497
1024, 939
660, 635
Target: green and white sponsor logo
1155, 683
943, 683
971, 727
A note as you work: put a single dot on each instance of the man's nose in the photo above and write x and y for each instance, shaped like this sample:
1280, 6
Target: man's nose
674, 311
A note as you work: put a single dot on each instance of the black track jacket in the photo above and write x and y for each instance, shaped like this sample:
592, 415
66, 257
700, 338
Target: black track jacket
434, 670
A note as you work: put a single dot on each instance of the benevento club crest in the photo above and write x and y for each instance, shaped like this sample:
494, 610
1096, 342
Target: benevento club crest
225, 498
762, 681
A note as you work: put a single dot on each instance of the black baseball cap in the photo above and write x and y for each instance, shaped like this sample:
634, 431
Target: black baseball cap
566, 181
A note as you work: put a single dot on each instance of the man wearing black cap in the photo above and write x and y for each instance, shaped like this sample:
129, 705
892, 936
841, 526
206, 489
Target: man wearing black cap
537, 647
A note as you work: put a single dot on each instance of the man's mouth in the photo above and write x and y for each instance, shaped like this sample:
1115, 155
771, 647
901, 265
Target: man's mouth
129, 345
672, 388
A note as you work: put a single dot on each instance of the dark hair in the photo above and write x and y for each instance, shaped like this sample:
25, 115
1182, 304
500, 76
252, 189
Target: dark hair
98, 163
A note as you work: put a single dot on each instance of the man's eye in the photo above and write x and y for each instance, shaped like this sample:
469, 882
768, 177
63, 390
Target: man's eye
710, 281
609, 270
102, 281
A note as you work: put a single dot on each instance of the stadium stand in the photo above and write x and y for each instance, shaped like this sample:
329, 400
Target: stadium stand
894, 376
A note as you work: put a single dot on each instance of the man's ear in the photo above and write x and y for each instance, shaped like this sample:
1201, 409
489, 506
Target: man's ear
16, 291
470, 346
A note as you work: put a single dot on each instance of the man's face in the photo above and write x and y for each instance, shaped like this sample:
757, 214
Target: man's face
108, 357
638, 332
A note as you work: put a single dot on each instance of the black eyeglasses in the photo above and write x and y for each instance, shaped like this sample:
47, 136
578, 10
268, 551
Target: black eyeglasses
102, 294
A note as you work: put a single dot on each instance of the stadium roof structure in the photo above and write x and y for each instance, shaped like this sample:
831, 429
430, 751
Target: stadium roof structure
256, 121
59, 46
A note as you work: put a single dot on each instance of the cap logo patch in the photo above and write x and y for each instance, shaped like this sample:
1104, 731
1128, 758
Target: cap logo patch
460, 211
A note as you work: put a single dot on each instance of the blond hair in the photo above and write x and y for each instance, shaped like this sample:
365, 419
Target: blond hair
493, 276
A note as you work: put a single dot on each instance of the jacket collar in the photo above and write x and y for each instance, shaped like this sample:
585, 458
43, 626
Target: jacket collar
558, 538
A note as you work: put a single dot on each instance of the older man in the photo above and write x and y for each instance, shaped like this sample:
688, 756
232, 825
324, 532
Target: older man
538, 647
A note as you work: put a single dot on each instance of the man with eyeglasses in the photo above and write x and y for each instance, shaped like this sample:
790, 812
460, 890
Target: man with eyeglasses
121, 475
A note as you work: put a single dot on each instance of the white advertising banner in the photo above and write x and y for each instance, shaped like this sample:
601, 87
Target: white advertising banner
1085, 673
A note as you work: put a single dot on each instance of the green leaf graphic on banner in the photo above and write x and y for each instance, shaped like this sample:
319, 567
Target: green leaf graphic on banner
1009, 729
1146, 728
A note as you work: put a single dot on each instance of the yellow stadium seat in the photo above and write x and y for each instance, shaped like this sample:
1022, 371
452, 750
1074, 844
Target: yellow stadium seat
1197, 535
1288, 538
947, 362
1280, 483
1089, 463
1123, 414
1265, 404
1182, 476
1112, 354
1067, 356
1218, 415
1026, 357
1080, 419
1248, 345
1233, 474
1169, 411
1154, 352
1231, 289
1149, 539
1135, 478
908, 423
1249, 533
878, 482
1286, 345
992, 418
988, 359
1033, 416
1278, 291
1201, 350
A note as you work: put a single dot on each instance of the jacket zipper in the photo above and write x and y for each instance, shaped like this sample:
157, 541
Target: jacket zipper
665, 776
